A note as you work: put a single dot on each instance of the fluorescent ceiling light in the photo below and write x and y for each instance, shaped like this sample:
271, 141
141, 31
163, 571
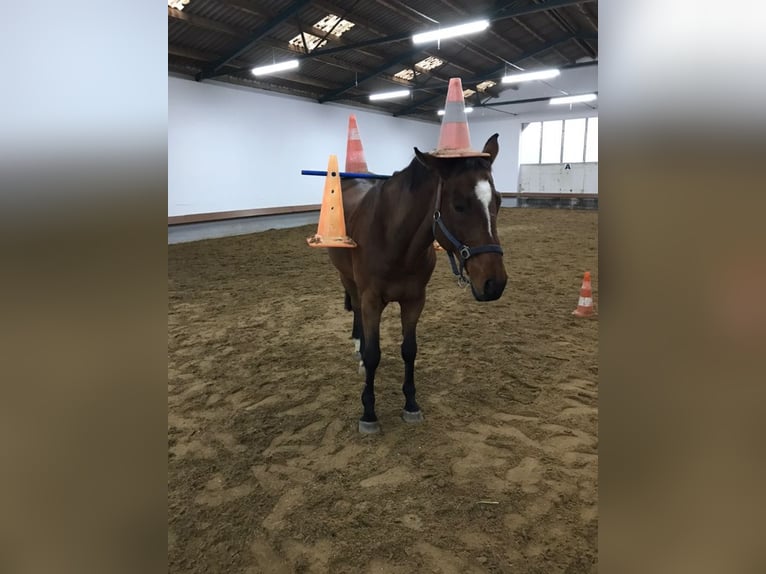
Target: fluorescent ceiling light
574, 99
529, 76
389, 95
468, 110
270, 69
451, 32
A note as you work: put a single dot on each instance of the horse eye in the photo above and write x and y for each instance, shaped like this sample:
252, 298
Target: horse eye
459, 207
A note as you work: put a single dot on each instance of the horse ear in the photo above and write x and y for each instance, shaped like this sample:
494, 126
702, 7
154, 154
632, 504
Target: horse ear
426, 159
492, 147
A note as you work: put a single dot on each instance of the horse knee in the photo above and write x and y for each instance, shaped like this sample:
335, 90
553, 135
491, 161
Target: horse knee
409, 349
371, 356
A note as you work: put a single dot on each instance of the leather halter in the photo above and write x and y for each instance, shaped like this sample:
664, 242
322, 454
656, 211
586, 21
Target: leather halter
464, 252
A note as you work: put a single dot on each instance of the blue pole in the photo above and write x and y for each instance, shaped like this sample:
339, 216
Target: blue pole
346, 174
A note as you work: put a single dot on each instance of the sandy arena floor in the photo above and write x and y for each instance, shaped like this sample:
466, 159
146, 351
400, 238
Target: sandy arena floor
267, 473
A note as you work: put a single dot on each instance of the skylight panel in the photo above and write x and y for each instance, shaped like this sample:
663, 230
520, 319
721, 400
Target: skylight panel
313, 42
429, 63
483, 86
468, 92
424, 65
334, 23
405, 74
177, 4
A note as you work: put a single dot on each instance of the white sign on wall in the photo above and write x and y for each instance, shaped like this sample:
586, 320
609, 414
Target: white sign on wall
559, 178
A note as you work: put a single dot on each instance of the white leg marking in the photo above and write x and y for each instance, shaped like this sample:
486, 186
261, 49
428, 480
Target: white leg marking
484, 193
357, 344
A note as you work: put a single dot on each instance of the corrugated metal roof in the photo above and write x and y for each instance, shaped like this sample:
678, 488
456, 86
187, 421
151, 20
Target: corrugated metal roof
208, 30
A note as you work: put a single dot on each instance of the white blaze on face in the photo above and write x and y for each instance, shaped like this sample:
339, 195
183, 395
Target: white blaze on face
484, 194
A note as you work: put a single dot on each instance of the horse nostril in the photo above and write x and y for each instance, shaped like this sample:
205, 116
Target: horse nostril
493, 289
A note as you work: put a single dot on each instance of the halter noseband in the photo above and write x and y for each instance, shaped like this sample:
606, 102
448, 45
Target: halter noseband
464, 252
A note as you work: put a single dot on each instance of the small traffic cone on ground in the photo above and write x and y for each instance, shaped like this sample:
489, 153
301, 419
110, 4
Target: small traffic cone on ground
585, 303
454, 137
331, 231
355, 162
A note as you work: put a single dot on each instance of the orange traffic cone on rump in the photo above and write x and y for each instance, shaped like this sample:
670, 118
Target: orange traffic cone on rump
355, 161
585, 303
454, 136
331, 231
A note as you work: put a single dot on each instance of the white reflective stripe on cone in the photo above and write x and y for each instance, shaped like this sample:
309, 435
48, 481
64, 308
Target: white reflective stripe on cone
585, 302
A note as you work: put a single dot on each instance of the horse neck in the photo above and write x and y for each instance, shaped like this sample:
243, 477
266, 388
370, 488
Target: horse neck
409, 200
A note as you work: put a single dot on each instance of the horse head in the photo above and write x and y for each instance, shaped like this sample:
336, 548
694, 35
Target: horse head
467, 205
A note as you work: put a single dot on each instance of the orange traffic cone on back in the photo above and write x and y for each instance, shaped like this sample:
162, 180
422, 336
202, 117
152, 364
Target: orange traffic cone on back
355, 162
585, 303
454, 137
331, 231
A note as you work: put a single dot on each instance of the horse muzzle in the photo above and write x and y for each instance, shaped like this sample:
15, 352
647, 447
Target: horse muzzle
493, 289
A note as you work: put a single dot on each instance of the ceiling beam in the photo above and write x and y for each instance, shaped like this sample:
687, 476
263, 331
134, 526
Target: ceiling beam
205, 23
495, 72
503, 13
236, 67
260, 32
365, 44
565, 26
247, 7
526, 101
511, 10
379, 70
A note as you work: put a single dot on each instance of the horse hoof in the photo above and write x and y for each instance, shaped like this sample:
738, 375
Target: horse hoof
367, 427
416, 417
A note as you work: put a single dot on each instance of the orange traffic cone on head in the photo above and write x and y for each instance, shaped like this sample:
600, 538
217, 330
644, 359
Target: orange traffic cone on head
331, 231
585, 303
355, 162
454, 137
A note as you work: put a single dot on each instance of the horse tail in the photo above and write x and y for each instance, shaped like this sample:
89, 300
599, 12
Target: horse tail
347, 302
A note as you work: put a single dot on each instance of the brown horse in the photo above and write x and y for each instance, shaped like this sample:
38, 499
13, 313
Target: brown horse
394, 224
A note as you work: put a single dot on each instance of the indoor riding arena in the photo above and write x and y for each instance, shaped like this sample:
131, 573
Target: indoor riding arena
268, 471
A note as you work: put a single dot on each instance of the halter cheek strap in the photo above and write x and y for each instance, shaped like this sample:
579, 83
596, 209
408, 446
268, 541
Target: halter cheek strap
463, 251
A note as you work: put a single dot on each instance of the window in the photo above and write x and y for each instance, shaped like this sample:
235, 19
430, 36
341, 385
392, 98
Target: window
559, 141
529, 146
574, 141
591, 143
551, 148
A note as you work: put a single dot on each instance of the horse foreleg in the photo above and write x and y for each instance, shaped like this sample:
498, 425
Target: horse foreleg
357, 334
352, 303
410, 314
372, 308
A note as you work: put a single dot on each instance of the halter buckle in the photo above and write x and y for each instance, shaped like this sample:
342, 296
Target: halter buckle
462, 282
465, 252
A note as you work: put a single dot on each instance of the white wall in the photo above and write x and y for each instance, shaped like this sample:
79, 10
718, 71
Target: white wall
484, 122
232, 148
